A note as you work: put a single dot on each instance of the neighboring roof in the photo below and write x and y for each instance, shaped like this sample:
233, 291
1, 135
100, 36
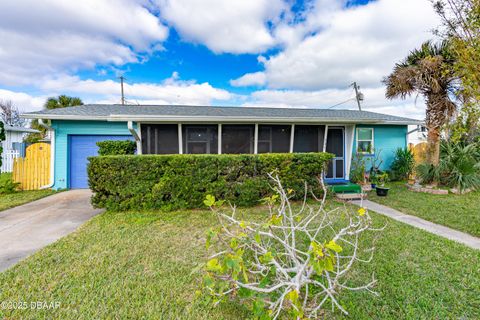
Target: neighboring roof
172, 113
19, 129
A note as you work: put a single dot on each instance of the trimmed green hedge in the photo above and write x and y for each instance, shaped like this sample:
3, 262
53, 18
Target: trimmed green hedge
182, 181
116, 147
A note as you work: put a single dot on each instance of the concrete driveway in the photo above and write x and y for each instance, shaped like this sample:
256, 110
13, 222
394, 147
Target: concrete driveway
30, 227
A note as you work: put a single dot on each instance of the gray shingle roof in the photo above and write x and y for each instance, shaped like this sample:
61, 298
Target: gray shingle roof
205, 113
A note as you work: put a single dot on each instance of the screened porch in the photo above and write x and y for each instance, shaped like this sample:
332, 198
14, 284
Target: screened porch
248, 139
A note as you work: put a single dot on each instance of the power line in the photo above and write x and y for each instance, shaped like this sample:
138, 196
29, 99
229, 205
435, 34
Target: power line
340, 103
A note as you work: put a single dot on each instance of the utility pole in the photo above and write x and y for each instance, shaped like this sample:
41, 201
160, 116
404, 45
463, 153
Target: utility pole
121, 84
358, 95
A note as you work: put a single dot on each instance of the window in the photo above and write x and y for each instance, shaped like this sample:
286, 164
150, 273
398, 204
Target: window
159, 138
308, 138
200, 139
365, 140
273, 139
237, 138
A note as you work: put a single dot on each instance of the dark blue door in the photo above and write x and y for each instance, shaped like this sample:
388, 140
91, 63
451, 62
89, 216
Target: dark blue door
82, 147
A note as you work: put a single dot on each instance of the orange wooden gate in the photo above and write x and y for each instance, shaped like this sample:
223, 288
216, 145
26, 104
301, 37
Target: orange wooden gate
419, 152
33, 171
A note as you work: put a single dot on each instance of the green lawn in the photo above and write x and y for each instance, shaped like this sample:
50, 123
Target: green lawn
18, 198
461, 212
138, 265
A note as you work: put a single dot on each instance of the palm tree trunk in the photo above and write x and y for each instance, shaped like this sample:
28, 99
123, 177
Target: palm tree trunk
433, 146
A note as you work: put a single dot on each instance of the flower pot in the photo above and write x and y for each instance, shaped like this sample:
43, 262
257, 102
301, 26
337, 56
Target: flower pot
374, 185
382, 191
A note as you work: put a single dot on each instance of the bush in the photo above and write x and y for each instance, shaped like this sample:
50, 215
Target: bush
403, 164
293, 263
181, 181
358, 169
2, 137
116, 147
459, 167
8, 187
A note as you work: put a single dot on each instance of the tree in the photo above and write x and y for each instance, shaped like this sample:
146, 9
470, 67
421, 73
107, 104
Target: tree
428, 72
2, 137
10, 114
461, 27
293, 263
61, 101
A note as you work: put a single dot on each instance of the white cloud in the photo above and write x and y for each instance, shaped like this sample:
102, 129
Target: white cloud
335, 46
42, 38
249, 79
23, 101
327, 98
170, 91
235, 26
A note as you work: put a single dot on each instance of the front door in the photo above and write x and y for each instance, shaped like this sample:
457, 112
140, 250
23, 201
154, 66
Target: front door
336, 145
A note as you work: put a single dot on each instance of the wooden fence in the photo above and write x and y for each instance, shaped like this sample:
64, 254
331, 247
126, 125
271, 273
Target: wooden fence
33, 171
419, 152
8, 157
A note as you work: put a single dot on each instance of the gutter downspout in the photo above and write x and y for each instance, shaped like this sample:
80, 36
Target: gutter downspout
135, 136
52, 154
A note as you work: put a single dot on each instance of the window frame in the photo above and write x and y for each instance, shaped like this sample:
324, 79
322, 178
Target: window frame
372, 141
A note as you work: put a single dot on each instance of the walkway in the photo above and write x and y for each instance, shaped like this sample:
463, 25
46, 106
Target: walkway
452, 234
32, 226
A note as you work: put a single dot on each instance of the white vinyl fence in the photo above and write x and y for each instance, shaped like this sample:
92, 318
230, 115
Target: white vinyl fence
7, 160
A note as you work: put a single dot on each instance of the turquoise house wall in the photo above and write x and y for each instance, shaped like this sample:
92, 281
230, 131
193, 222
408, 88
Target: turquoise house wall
386, 139
64, 128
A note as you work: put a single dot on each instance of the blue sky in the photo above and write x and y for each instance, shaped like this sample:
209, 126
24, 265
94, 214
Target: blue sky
272, 53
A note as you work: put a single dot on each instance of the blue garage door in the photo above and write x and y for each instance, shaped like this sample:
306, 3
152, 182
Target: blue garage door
82, 147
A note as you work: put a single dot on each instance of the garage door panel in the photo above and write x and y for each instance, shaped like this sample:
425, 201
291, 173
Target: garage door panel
82, 147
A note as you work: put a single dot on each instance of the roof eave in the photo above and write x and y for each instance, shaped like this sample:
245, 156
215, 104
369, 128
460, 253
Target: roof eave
222, 119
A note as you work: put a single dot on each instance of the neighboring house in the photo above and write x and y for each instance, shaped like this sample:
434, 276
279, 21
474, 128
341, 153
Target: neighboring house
169, 129
417, 134
15, 135
13, 145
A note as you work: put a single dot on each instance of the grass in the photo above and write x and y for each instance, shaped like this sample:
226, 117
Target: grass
8, 201
137, 265
460, 212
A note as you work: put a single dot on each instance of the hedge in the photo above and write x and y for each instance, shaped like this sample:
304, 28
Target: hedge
116, 147
182, 181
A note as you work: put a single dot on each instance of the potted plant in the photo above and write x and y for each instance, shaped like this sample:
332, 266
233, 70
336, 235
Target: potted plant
373, 180
382, 179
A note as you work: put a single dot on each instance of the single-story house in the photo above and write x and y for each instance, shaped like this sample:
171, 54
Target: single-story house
171, 129
13, 145
15, 135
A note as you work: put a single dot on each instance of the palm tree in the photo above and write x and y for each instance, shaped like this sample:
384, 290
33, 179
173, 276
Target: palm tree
428, 72
62, 101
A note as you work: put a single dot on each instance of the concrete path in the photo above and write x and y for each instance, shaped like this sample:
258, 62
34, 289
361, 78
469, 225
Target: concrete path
466, 239
30, 227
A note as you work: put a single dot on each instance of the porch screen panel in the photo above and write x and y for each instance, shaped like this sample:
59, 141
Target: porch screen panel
274, 138
159, 138
308, 138
199, 139
237, 138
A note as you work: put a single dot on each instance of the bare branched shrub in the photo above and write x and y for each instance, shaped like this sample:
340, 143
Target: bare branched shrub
296, 262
